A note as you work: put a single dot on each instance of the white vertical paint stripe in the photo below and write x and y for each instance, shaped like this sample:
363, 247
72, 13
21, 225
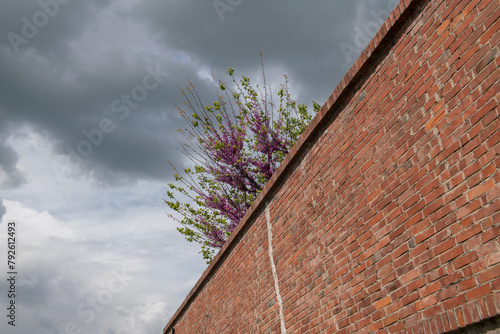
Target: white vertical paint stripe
273, 267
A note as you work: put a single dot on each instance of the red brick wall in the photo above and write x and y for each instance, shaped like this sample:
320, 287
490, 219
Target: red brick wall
386, 214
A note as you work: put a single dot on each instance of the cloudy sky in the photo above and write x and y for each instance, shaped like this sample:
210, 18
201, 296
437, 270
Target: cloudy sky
87, 128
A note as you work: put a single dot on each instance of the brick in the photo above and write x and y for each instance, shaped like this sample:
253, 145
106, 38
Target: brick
467, 284
492, 258
440, 113
390, 320
453, 303
435, 205
425, 302
490, 234
469, 208
383, 302
410, 298
481, 189
468, 233
443, 246
451, 278
465, 260
477, 292
447, 293
489, 274
429, 289
451, 254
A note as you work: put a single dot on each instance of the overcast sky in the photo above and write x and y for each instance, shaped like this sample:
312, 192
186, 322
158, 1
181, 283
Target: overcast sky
87, 128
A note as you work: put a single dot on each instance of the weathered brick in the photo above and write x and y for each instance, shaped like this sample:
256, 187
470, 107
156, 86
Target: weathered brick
478, 292
425, 302
489, 274
465, 260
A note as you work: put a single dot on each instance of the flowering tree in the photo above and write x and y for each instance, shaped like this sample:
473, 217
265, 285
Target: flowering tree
235, 145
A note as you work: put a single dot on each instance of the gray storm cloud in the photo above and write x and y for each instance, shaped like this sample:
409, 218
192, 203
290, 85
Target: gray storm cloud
10, 176
64, 78
3, 210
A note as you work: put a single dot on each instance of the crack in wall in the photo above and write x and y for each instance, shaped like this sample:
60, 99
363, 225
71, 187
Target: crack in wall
273, 267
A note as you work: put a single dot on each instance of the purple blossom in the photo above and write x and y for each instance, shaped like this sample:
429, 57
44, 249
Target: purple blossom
241, 151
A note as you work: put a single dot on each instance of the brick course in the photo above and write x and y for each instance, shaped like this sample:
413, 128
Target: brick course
386, 213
